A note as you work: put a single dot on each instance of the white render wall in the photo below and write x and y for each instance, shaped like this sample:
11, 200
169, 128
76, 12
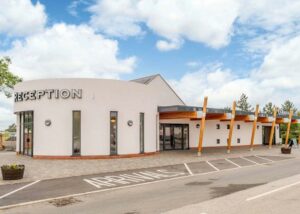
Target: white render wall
211, 133
99, 97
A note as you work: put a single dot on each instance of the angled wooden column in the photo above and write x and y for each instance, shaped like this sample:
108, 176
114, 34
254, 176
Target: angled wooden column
288, 128
202, 127
254, 127
231, 127
273, 127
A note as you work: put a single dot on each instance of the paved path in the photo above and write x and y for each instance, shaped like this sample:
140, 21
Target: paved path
46, 169
104, 182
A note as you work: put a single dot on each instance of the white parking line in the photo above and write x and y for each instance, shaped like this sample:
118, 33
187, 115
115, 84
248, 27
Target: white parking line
188, 169
250, 161
272, 191
264, 158
212, 166
233, 163
12, 192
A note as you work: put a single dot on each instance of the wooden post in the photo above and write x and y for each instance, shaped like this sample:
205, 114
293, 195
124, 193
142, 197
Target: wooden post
202, 127
231, 127
273, 127
254, 127
288, 128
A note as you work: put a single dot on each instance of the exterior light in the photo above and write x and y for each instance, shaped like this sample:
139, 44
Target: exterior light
47, 122
129, 122
198, 126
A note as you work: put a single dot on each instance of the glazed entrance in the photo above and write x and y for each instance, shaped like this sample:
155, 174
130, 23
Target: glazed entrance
174, 136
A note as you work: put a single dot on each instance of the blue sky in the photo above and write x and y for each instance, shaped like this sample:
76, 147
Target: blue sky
171, 64
214, 48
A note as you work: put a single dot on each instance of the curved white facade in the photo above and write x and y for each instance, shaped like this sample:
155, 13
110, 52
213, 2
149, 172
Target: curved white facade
62, 118
97, 99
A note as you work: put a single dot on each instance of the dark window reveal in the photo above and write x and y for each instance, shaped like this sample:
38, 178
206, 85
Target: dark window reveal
113, 133
142, 132
76, 132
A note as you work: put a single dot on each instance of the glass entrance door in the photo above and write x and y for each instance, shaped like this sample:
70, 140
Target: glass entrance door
26, 130
266, 132
174, 136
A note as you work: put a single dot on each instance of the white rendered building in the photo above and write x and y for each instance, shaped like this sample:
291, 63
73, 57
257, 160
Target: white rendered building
99, 118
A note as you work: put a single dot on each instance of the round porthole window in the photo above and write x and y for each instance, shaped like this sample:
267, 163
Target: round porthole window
130, 123
47, 122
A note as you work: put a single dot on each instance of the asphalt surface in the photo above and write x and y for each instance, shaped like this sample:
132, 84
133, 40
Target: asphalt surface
144, 191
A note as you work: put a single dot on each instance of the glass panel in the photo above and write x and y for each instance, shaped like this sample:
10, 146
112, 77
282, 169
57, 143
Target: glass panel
113, 132
178, 141
142, 138
186, 136
168, 138
26, 127
161, 137
76, 132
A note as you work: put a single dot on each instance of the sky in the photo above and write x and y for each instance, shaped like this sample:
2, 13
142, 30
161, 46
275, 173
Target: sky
214, 48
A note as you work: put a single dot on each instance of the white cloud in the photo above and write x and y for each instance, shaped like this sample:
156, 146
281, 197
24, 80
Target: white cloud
193, 64
116, 18
276, 80
73, 7
21, 17
67, 51
270, 14
168, 45
208, 22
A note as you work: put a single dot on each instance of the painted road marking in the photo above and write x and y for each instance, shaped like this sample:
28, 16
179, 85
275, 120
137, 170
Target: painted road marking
250, 161
12, 192
272, 191
212, 166
120, 187
233, 163
264, 158
188, 169
136, 177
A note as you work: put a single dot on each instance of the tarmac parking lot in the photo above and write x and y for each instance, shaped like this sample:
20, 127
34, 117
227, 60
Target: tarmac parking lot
43, 190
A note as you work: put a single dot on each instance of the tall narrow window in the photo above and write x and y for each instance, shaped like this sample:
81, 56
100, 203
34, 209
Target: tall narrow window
142, 132
113, 133
76, 132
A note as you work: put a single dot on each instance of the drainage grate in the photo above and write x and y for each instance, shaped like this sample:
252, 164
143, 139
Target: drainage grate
64, 201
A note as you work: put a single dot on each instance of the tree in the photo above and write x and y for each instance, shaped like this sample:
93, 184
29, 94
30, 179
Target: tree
227, 109
7, 79
11, 128
269, 108
287, 106
243, 105
295, 128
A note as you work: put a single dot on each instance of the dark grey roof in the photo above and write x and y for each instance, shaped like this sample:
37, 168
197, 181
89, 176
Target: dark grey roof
215, 111
145, 80
148, 79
